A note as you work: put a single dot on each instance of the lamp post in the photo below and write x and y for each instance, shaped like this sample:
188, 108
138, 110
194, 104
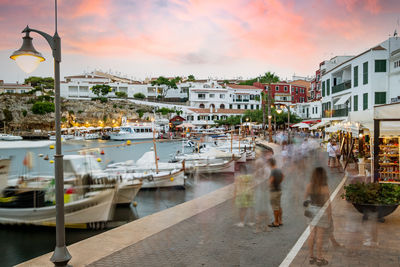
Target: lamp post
28, 59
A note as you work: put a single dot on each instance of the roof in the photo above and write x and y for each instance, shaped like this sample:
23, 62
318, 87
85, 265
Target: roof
15, 85
88, 76
219, 111
376, 48
238, 86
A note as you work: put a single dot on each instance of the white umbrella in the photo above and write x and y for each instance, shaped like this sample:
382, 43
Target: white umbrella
90, 128
98, 128
301, 125
107, 127
305, 126
185, 125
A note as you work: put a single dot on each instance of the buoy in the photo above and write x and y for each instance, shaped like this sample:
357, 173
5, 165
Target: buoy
51, 146
46, 158
158, 158
134, 203
98, 159
51, 161
102, 152
172, 179
128, 142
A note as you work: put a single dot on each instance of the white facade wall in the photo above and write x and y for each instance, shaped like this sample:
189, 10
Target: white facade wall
309, 110
378, 82
209, 94
248, 99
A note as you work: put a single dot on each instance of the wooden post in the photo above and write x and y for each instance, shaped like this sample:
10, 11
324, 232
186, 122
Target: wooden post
231, 140
377, 125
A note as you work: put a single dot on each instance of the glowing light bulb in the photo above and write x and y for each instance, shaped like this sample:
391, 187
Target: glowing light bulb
28, 63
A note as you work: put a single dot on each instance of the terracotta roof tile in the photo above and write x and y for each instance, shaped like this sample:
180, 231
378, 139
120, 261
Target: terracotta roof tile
238, 86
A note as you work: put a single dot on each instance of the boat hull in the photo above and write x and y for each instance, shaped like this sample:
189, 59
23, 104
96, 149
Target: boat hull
127, 193
169, 180
98, 208
225, 167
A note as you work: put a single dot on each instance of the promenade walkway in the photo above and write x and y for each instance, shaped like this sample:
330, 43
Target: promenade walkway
202, 232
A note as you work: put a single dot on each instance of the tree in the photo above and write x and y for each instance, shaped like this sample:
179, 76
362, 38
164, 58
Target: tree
42, 108
268, 78
166, 83
101, 89
191, 78
40, 82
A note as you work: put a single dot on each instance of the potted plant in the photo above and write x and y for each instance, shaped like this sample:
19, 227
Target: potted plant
378, 198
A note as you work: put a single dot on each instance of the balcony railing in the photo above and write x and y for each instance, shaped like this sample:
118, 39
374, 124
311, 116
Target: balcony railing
335, 113
341, 87
240, 100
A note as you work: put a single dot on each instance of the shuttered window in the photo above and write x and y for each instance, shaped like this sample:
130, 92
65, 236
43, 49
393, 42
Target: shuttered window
355, 74
365, 72
380, 65
380, 98
365, 101
328, 85
355, 103
323, 88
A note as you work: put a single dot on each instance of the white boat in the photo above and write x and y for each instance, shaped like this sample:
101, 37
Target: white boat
134, 132
167, 174
32, 202
63, 137
91, 136
9, 137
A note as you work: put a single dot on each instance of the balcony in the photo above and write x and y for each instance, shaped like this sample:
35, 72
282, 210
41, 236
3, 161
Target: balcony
341, 87
240, 100
344, 112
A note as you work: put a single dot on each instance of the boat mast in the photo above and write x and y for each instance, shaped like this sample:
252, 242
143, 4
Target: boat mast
154, 145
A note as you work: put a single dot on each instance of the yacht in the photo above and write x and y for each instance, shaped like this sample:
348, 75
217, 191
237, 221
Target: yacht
9, 137
133, 132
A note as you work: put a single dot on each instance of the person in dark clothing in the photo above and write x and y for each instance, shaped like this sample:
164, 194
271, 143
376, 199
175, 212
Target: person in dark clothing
275, 180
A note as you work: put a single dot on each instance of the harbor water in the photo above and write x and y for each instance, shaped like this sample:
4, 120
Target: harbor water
21, 243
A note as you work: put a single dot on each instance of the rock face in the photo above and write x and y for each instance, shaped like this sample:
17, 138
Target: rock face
79, 111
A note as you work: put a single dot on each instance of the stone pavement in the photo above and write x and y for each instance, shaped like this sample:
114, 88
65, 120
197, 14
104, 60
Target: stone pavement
365, 243
210, 238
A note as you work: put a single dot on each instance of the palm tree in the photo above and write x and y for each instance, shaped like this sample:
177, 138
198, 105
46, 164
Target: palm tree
268, 78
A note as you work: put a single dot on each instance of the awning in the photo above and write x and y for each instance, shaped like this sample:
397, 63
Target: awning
343, 99
301, 125
319, 125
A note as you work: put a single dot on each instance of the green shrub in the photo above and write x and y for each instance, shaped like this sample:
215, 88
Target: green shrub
101, 99
43, 98
139, 96
42, 108
70, 112
140, 112
80, 111
31, 101
115, 106
165, 111
372, 193
121, 94
24, 112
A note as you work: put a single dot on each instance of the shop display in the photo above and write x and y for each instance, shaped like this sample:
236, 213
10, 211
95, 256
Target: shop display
389, 156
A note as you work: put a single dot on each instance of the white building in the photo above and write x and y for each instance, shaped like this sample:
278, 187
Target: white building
309, 110
14, 88
368, 79
79, 86
208, 116
230, 96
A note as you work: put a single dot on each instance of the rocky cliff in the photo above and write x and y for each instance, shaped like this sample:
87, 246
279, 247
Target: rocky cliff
16, 112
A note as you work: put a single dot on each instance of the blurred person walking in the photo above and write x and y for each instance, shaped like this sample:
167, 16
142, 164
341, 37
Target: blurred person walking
275, 180
244, 197
316, 195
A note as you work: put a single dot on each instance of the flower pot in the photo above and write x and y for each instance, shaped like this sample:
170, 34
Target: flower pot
380, 210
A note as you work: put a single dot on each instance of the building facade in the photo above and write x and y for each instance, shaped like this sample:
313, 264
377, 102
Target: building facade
361, 82
285, 93
14, 88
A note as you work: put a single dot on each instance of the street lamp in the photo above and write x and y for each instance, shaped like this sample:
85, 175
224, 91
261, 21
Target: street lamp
28, 59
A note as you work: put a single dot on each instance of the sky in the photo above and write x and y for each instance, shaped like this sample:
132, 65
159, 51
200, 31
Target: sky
206, 38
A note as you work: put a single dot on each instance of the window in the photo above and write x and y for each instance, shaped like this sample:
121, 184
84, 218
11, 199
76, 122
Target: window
201, 96
285, 88
365, 101
238, 106
277, 88
355, 76
251, 97
328, 87
257, 106
297, 90
396, 64
380, 98
221, 96
380, 65
245, 106
355, 103
251, 106
230, 106
222, 106
212, 95
323, 88
316, 110
365, 72
201, 105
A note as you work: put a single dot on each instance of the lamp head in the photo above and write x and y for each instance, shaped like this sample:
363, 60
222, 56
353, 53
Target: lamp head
27, 57
279, 110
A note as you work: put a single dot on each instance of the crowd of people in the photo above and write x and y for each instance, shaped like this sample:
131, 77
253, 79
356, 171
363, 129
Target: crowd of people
259, 192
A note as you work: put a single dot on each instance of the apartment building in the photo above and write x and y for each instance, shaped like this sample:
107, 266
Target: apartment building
363, 81
285, 93
226, 96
